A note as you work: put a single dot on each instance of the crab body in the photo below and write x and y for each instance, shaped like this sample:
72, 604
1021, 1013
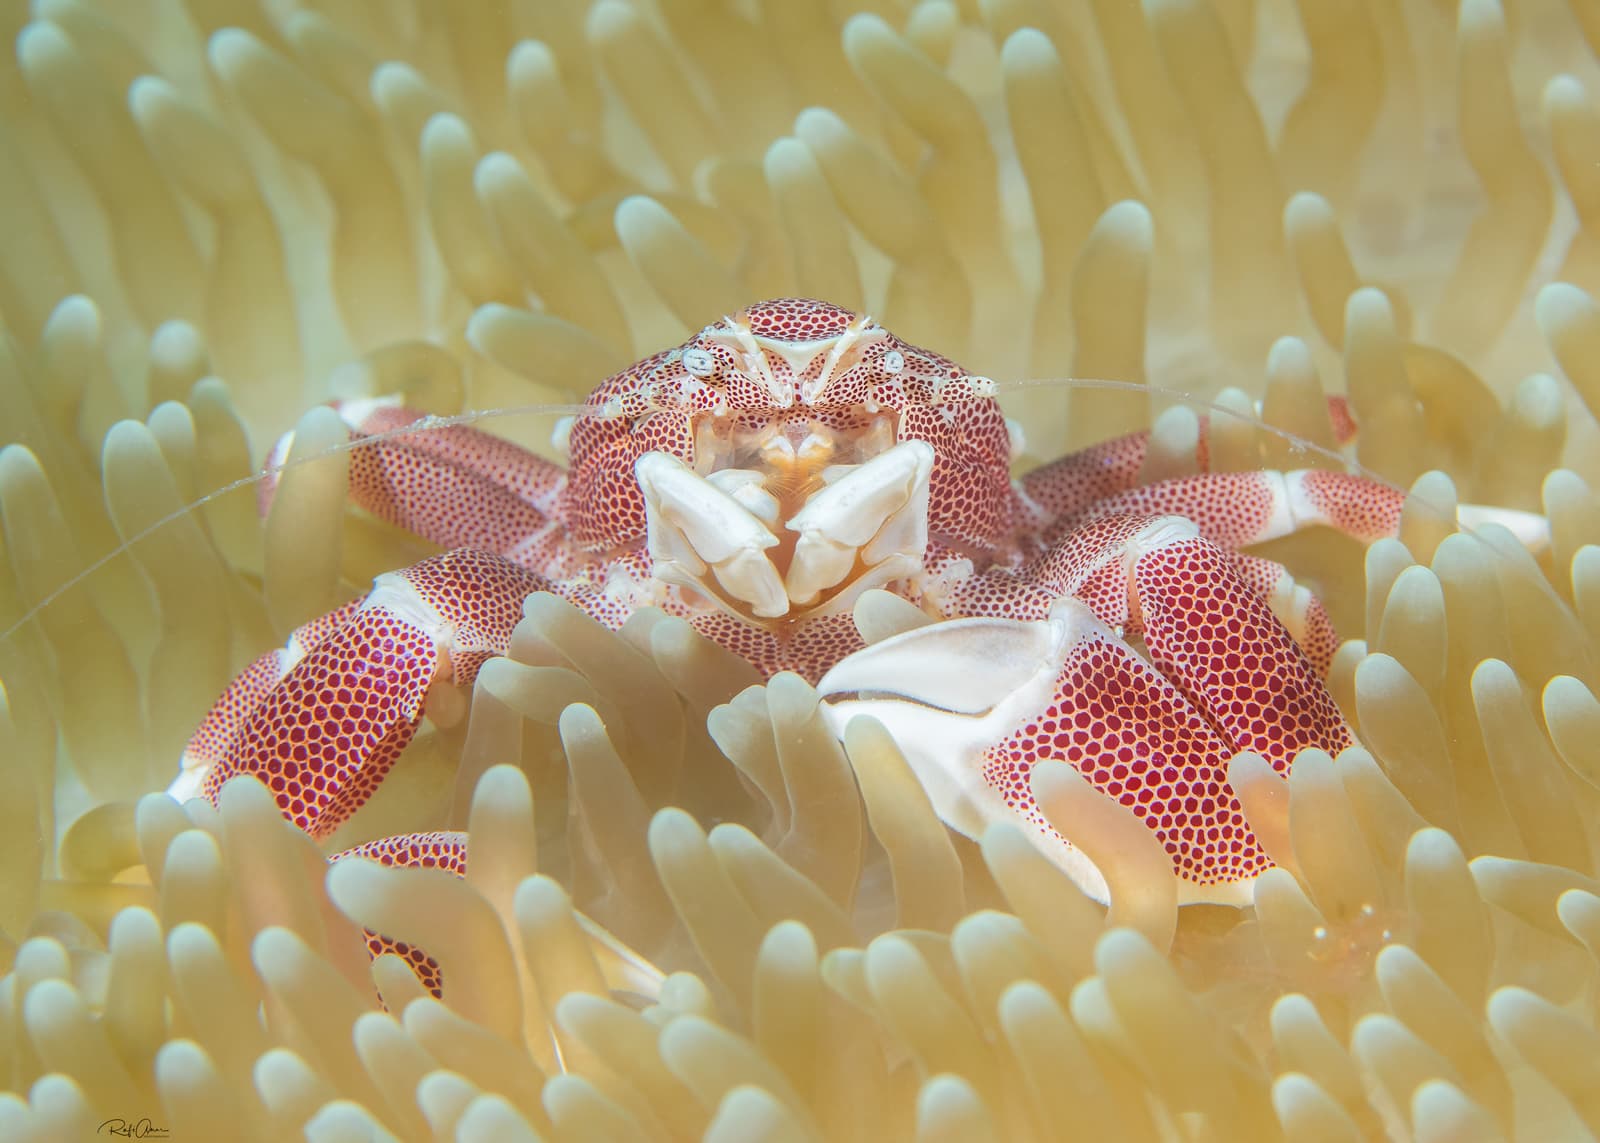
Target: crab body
758, 481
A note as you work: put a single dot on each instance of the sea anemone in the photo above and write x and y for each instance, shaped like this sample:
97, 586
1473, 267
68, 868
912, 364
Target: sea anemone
689, 910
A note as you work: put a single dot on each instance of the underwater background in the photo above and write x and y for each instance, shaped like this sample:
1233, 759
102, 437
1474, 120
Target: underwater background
691, 912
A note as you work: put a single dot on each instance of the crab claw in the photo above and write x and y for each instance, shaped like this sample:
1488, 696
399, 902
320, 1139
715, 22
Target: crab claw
976, 703
321, 721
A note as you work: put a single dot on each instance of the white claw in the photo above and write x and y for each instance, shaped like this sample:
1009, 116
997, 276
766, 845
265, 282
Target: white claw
951, 692
877, 512
963, 666
692, 525
865, 527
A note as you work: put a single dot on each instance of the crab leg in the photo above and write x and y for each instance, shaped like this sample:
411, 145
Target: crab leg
454, 485
351, 694
445, 850
1231, 510
1161, 578
1301, 612
1236, 509
1207, 624
1063, 487
975, 704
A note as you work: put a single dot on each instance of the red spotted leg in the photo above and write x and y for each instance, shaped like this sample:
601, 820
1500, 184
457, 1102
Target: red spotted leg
1231, 510
1061, 489
1101, 480
1237, 509
214, 738
454, 485
1039, 668
351, 694
445, 850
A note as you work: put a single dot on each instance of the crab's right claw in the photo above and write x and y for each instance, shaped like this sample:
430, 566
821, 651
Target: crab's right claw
975, 704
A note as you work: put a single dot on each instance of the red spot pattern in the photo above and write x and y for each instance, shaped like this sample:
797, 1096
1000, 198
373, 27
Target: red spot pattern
603, 507
970, 501
479, 595
1225, 650
215, 735
1320, 641
249, 689
323, 740
1120, 724
308, 636
1221, 659
1356, 506
1229, 508
808, 648
1088, 564
796, 319
326, 736
1066, 490
1063, 488
461, 488
444, 850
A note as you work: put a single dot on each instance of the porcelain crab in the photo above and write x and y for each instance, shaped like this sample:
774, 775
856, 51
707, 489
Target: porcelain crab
757, 480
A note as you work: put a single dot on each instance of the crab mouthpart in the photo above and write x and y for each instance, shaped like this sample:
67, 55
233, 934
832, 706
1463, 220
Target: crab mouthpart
744, 540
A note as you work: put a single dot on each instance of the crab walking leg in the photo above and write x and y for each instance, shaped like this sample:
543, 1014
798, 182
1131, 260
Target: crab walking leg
455, 485
1236, 509
1296, 607
1064, 487
1219, 642
325, 736
1208, 628
445, 850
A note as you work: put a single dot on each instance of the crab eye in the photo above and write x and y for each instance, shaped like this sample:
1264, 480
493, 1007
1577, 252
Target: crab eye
894, 361
699, 362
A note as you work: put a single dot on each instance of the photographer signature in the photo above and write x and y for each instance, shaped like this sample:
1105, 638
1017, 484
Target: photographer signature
138, 1129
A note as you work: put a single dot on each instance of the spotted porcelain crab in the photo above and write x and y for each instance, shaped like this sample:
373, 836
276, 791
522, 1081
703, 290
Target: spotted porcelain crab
756, 481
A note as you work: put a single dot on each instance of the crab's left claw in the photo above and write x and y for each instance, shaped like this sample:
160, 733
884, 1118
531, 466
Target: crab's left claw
976, 703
